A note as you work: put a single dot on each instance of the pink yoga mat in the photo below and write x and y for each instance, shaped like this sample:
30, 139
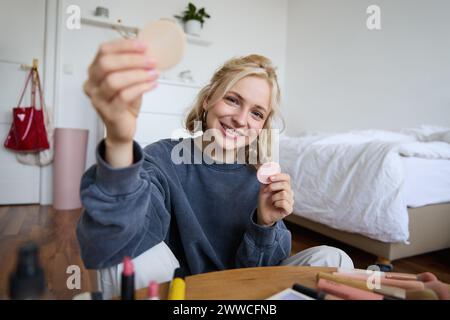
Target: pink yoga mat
68, 167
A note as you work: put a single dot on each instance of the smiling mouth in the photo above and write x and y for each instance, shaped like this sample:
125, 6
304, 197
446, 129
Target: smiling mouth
231, 132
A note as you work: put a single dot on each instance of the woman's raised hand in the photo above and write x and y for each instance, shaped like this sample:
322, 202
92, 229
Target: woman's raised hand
118, 77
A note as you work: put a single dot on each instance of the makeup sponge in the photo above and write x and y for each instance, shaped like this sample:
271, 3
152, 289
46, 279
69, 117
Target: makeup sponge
266, 170
166, 42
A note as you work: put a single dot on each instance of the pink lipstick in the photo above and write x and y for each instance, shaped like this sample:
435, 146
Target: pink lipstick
127, 292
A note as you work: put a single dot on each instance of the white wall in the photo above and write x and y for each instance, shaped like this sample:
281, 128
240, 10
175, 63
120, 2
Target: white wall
235, 28
19, 43
341, 76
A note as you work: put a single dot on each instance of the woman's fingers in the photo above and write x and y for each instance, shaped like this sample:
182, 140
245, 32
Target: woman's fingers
121, 45
130, 94
280, 177
276, 186
115, 62
284, 205
283, 195
121, 80
114, 48
88, 88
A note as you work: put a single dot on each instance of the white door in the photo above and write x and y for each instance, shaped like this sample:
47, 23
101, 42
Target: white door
22, 31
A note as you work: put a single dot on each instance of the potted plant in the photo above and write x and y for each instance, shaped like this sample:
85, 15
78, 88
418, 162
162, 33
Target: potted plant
193, 19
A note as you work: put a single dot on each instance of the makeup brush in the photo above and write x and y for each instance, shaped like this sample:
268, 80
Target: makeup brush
318, 295
405, 284
347, 292
424, 277
440, 288
387, 291
426, 294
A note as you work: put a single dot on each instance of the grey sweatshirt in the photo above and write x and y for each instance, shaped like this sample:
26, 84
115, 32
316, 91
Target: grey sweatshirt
204, 212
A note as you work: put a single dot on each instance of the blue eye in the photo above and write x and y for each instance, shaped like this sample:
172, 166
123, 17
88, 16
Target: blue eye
232, 100
258, 114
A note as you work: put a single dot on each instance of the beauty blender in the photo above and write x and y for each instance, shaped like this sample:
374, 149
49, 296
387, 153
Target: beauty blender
166, 42
266, 170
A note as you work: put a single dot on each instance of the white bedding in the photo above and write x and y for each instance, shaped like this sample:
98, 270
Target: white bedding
427, 181
355, 181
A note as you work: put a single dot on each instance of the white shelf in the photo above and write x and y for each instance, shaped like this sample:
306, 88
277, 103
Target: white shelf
105, 23
116, 25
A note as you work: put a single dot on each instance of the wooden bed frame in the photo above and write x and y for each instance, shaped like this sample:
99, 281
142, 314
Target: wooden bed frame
429, 228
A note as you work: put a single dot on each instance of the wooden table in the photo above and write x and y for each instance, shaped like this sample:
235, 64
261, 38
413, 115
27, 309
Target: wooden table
243, 284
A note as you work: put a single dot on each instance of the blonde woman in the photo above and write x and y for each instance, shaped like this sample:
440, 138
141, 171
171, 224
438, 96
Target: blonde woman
205, 214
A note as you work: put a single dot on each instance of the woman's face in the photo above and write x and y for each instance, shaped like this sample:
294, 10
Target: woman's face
237, 119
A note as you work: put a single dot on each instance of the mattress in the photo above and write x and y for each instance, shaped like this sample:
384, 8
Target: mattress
363, 181
427, 181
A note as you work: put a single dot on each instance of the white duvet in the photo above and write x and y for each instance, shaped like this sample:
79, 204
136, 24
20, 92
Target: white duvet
353, 181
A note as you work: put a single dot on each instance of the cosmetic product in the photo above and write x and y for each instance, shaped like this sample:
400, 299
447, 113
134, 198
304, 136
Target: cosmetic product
405, 284
267, 170
387, 291
313, 293
89, 296
425, 294
127, 284
166, 42
346, 292
424, 276
153, 290
177, 290
289, 294
27, 282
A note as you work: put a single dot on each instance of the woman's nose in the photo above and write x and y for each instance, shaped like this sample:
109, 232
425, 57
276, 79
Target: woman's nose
240, 119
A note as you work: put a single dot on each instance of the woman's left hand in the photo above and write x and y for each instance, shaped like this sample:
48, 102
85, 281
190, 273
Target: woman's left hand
276, 200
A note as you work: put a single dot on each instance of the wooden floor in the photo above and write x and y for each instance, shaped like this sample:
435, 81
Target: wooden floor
54, 231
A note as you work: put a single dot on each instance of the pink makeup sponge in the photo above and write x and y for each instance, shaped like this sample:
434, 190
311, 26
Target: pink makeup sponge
266, 170
166, 42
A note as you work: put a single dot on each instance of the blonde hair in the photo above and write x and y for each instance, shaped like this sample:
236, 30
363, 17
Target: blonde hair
223, 80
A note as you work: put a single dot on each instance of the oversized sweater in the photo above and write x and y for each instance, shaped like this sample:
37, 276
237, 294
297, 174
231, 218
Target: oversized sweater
205, 212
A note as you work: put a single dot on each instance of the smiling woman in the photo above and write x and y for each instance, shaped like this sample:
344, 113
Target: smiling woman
203, 216
240, 101
237, 117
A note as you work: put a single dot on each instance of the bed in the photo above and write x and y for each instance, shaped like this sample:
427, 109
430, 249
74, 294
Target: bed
387, 193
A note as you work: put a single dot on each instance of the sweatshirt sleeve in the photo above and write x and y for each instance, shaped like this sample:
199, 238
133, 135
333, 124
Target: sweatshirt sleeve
124, 210
263, 246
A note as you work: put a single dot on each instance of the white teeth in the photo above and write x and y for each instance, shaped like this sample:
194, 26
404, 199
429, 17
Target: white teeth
231, 131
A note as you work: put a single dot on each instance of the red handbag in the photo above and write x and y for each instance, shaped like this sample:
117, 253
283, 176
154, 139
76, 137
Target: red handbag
27, 131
